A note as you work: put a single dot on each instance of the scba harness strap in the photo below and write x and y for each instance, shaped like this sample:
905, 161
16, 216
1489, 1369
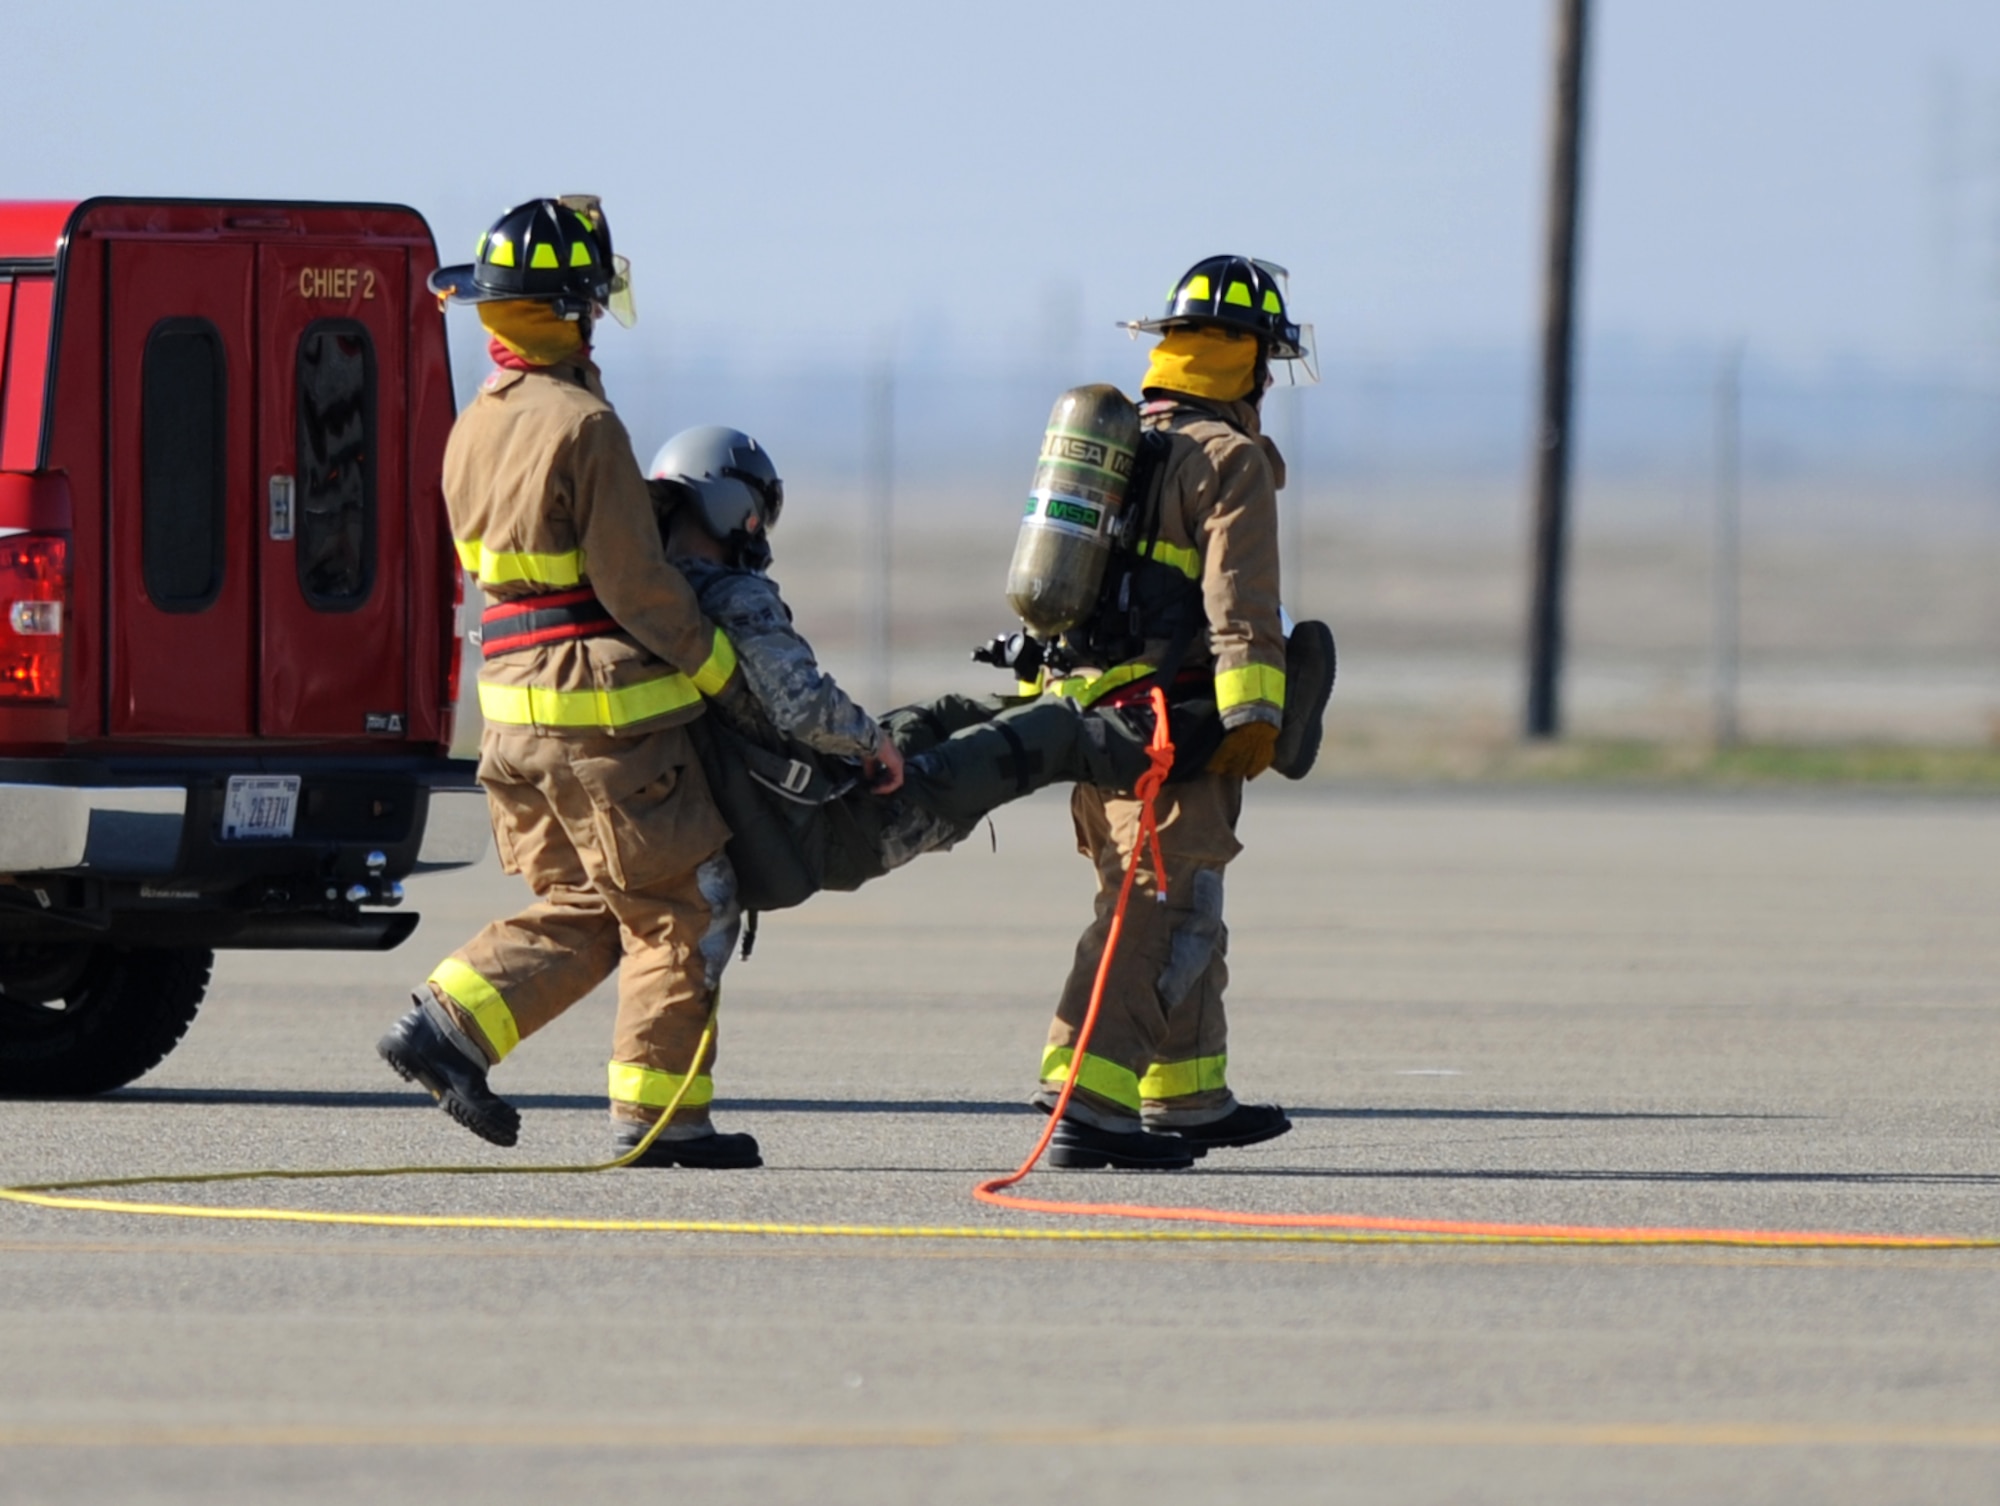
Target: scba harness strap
534, 620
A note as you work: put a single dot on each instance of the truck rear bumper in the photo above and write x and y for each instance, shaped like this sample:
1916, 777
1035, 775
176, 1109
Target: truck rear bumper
50, 828
160, 823
134, 852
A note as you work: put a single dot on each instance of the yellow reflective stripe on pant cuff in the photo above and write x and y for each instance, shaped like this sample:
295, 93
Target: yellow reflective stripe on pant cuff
539, 706
481, 1000
1204, 1074
1085, 689
721, 664
1253, 682
500, 567
655, 1090
1107, 1080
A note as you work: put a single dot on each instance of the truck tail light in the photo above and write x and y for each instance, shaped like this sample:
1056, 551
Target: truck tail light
34, 578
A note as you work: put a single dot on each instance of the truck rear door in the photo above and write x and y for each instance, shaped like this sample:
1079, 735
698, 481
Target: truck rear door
182, 398
333, 613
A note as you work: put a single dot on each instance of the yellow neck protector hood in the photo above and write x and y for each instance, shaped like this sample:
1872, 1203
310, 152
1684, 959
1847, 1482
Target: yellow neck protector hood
1204, 362
533, 330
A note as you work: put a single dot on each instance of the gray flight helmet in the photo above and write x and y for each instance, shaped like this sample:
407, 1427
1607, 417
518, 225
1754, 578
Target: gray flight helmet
731, 481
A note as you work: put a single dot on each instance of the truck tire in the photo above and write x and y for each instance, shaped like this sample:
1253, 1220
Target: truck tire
124, 1010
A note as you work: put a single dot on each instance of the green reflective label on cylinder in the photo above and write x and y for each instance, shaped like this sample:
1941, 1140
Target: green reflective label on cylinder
1068, 514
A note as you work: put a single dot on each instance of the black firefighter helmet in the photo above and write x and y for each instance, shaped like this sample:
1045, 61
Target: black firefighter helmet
1236, 293
552, 250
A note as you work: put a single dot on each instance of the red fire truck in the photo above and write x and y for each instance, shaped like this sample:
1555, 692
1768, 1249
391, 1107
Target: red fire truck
228, 632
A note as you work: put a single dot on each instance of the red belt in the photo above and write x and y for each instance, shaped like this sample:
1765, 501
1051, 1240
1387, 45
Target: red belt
1135, 693
534, 620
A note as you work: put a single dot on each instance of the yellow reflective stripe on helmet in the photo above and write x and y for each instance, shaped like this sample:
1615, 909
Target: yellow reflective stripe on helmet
1239, 293
643, 1085
579, 254
1187, 561
1085, 689
501, 254
1197, 287
1105, 1079
628, 705
500, 567
481, 1000
1272, 303
1180, 1079
1253, 682
544, 256
721, 664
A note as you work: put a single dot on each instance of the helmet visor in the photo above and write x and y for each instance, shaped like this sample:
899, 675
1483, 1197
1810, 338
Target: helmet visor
770, 493
1301, 370
618, 302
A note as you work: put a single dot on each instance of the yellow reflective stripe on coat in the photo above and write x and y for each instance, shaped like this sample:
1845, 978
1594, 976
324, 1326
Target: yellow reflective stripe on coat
655, 1090
1084, 689
500, 567
1187, 561
1253, 682
714, 674
481, 1000
628, 705
1180, 1079
1105, 1079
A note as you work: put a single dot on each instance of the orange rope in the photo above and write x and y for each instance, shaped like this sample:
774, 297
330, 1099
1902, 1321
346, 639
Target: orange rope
1161, 751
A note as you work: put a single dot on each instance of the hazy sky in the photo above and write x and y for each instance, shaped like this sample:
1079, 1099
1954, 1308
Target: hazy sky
1821, 177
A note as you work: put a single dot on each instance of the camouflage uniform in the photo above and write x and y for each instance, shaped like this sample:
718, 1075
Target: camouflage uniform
965, 755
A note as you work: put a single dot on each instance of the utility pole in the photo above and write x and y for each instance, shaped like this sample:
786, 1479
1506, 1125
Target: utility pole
1552, 436
1728, 543
879, 533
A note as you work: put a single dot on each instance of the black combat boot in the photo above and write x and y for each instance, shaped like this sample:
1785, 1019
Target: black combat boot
711, 1152
1246, 1124
1309, 671
423, 1054
1084, 1147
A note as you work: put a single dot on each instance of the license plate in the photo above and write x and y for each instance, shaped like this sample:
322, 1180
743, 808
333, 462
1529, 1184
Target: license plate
260, 807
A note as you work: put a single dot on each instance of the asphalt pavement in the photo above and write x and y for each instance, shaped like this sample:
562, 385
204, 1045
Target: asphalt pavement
1768, 1011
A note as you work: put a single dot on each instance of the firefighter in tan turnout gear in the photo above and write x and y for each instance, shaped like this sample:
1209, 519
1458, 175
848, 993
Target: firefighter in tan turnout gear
1199, 611
596, 656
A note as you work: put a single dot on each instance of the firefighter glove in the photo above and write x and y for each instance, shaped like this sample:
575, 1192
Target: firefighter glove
1247, 751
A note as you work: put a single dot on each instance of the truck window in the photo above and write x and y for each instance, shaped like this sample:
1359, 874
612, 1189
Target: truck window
336, 516
182, 480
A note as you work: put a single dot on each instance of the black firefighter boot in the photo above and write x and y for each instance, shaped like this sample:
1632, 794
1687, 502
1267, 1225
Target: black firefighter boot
1246, 1124
710, 1152
420, 1051
1309, 672
1077, 1146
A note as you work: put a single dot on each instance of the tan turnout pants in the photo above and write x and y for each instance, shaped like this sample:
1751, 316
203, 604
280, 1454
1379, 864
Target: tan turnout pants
1162, 1038
621, 843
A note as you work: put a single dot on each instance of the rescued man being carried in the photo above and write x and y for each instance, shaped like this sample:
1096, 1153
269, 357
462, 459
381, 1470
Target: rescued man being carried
819, 795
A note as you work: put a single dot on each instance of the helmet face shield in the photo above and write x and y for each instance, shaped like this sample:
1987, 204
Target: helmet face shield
1301, 370
619, 303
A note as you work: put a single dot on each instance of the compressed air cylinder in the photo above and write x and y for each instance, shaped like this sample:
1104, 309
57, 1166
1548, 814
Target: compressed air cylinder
1087, 455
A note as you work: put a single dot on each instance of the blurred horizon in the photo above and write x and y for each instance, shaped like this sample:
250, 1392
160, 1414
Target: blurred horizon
883, 237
